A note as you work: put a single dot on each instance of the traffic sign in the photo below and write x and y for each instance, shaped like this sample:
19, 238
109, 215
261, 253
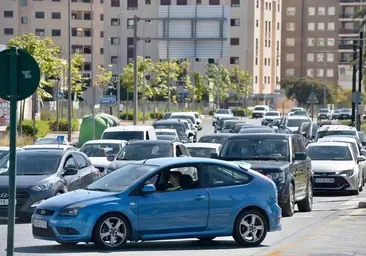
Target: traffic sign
108, 100
357, 97
88, 96
60, 138
60, 95
312, 99
27, 74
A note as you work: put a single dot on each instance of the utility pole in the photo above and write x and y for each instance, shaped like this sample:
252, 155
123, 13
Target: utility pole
354, 78
119, 71
135, 89
92, 68
325, 83
360, 71
69, 109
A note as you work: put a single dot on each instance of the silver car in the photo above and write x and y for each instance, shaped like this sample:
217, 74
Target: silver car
335, 167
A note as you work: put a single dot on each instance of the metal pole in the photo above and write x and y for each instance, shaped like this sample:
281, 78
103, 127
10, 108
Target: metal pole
193, 85
57, 107
92, 68
135, 89
119, 71
34, 107
144, 79
360, 71
12, 157
354, 77
325, 84
69, 74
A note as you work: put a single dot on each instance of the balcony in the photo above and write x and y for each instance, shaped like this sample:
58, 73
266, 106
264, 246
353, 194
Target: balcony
344, 61
351, 2
345, 46
348, 31
346, 16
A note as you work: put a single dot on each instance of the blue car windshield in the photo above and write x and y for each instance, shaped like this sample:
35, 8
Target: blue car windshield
121, 179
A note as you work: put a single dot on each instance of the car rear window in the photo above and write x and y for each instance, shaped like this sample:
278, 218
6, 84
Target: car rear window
123, 135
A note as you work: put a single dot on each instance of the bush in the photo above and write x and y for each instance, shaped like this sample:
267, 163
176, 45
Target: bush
129, 115
21, 141
345, 122
157, 115
42, 128
242, 112
63, 124
211, 112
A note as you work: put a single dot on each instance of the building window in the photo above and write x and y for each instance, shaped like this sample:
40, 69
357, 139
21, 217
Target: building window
114, 40
320, 72
311, 26
114, 22
132, 4
330, 73
311, 11
234, 60
320, 41
8, 14
8, 31
181, 2
56, 32
311, 42
257, 23
331, 26
115, 3
40, 32
56, 15
278, 26
290, 26
130, 23
291, 11
211, 61
101, 34
87, 66
310, 57
310, 72
165, 2
290, 57
198, 2
214, 2
147, 1
24, 20
256, 61
235, 22
321, 11
331, 11
234, 41
265, 61
320, 57
87, 16
290, 72
102, 17
101, 50
198, 60
321, 26
265, 80
235, 3
39, 15
330, 57
114, 59
256, 79
257, 4
290, 41
330, 41
24, 3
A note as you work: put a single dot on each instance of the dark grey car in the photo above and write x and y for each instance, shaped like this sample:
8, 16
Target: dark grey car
43, 174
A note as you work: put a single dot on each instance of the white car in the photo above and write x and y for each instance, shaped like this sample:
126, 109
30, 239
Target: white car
98, 150
294, 122
259, 111
50, 147
293, 110
48, 141
336, 167
203, 149
269, 116
221, 113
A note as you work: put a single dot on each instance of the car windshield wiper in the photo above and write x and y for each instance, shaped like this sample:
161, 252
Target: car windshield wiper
99, 189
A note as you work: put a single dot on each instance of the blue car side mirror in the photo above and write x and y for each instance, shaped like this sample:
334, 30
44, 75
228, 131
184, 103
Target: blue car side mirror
149, 188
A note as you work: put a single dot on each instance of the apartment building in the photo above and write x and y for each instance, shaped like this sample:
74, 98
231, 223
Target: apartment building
49, 18
310, 39
255, 36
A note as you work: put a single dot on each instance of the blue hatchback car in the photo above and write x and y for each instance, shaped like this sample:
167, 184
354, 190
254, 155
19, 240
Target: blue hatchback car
164, 198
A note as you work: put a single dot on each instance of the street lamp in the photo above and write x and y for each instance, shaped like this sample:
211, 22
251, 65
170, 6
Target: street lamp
55, 82
144, 80
119, 67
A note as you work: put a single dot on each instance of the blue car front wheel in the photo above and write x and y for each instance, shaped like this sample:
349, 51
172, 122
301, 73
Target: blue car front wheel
111, 231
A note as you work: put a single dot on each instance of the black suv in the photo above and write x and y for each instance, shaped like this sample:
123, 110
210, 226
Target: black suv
280, 157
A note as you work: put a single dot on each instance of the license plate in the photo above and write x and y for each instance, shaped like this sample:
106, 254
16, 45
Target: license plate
5, 201
324, 180
40, 223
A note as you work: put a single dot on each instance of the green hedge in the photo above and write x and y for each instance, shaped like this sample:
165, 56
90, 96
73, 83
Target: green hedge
129, 115
42, 128
157, 115
63, 124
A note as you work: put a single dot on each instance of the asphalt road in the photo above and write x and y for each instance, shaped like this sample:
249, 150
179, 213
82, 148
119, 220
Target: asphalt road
334, 227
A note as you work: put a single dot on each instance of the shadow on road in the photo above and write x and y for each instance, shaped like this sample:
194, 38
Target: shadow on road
331, 194
4, 221
144, 246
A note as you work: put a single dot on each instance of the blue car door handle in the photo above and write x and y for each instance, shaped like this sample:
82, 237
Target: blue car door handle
199, 197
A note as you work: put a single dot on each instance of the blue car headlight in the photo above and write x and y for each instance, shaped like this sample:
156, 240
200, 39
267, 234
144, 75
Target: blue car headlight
43, 187
70, 211
348, 173
277, 176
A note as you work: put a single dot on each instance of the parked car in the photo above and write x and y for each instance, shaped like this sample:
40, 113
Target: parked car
192, 131
324, 113
50, 147
259, 111
217, 138
4, 151
291, 124
337, 130
335, 167
129, 132
301, 113
42, 174
185, 115
269, 116
362, 137
221, 113
220, 122
140, 150
177, 125
203, 149
335, 114
171, 138
229, 125
263, 129
47, 141
345, 114
293, 110
98, 150
120, 206
282, 158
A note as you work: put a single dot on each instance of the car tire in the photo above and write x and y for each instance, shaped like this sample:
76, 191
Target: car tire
244, 232
360, 189
111, 224
306, 205
288, 208
206, 239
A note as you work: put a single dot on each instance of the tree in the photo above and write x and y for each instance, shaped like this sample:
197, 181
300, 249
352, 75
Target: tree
104, 77
220, 78
241, 82
200, 84
47, 55
299, 88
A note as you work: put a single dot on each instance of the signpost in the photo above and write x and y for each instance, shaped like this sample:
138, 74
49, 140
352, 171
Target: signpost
60, 95
312, 99
19, 76
108, 100
92, 95
357, 98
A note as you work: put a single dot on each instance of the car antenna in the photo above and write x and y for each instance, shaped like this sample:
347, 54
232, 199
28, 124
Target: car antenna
145, 160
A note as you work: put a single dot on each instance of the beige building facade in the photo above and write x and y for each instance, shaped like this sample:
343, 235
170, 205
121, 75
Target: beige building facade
255, 36
49, 18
